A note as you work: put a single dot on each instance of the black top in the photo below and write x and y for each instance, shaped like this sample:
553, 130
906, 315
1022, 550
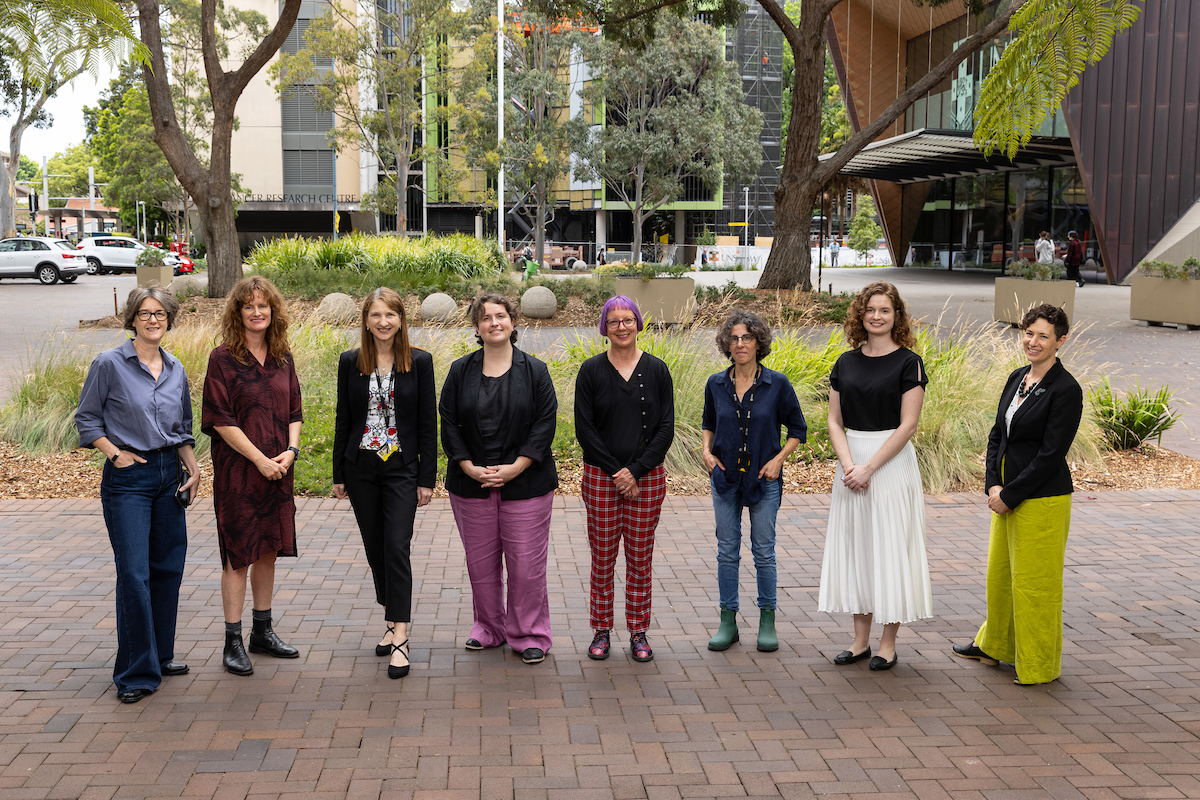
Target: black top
870, 388
622, 423
415, 399
1034, 448
493, 413
528, 429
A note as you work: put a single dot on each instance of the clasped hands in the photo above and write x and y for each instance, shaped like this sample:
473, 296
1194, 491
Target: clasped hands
995, 503
857, 477
273, 469
769, 470
491, 477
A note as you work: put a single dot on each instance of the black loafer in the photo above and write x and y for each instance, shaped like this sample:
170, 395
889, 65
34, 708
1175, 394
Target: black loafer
846, 657
473, 644
133, 695
973, 652
879, 665
533, 655
174, 668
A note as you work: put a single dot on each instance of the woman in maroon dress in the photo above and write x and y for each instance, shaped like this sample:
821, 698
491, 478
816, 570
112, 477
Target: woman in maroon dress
252, 412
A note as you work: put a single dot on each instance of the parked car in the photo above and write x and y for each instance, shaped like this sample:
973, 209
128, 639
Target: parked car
117, 254
47, 259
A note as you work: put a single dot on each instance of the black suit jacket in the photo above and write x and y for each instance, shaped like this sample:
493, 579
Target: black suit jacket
416, 415
1034, 450
532, 408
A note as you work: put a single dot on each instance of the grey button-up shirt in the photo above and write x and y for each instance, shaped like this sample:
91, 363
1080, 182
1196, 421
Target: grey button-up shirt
121, 400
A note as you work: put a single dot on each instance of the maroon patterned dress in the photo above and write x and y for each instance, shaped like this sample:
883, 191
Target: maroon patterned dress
254, 515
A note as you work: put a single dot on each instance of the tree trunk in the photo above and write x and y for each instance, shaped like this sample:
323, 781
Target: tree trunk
8, 198
539, 230
223, 253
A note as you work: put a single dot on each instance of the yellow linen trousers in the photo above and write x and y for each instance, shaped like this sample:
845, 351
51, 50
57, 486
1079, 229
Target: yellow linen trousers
1026, 551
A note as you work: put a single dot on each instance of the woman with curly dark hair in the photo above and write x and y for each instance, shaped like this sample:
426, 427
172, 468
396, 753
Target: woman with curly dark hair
252, 412
875, 566
1029, 489
744, 408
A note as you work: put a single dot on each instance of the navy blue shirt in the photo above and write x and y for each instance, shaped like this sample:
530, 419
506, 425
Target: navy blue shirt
121, 400
775, 405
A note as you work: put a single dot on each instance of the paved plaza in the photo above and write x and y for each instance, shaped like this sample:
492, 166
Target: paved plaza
1121, 723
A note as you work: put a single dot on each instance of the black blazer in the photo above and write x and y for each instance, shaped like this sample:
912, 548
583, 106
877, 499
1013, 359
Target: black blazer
532, 408
416, 415
1034, 451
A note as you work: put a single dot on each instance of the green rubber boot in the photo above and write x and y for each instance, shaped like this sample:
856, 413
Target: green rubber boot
727, 634
768, 642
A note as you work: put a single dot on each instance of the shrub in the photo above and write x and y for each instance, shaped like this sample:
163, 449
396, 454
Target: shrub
1128, 421
1034, 271
1190, 270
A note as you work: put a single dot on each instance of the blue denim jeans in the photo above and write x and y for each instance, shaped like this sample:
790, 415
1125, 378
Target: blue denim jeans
148, 533
728, 513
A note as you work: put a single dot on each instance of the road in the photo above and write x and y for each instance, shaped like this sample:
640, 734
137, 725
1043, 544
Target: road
36, 318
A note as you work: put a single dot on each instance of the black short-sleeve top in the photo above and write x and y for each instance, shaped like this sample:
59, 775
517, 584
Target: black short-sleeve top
870, 388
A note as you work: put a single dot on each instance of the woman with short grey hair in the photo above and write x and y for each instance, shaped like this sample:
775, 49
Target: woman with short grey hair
136, 409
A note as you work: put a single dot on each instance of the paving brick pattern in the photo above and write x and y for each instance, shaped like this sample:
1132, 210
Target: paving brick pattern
1121, 723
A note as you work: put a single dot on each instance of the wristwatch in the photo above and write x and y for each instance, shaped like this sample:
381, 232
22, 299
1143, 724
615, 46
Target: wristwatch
295, 450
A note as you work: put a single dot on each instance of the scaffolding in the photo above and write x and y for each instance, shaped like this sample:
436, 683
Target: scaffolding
756, 47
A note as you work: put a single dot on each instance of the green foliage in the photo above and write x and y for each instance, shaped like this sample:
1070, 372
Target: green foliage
151, 257
707, 238
1035, 271
27, 168
646, 270
1129, 420
864, 230
1055, 40
1189, 271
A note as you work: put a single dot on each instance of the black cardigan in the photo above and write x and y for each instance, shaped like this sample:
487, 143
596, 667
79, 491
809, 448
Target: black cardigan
635, 418
532, 409
416, 415
1034, 451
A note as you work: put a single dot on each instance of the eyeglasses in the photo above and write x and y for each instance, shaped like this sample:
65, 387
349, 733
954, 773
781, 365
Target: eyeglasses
145, 316
621, 323
745, 338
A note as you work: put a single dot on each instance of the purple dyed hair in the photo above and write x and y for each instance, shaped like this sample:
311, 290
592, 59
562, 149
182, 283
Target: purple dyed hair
619, 303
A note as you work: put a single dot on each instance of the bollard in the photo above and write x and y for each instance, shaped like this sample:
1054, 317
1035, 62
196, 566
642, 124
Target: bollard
115, 311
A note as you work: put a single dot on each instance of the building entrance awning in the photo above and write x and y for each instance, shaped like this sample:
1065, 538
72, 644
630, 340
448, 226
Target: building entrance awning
928, 154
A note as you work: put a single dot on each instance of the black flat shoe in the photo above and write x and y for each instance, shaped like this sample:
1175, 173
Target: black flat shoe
879, 665
473, 644
533, 655
973, 652
174, 668
382, 650
133, 695
846, 657
394, 671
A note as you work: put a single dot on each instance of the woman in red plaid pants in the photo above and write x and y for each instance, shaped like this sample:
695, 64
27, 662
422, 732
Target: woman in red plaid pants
625, 422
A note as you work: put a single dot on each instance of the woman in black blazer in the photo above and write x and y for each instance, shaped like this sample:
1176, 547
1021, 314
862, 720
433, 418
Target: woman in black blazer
385, 455
1029, 492
498, 416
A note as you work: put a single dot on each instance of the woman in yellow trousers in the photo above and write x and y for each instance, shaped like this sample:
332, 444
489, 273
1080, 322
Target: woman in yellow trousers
1029, 493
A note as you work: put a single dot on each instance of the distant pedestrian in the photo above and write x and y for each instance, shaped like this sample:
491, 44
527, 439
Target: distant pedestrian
136, 409
1045, 249
875, 565
1029, 488
834, 249
1074, 258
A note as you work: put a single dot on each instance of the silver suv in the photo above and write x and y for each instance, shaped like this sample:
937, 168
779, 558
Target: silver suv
116, 254
48, 260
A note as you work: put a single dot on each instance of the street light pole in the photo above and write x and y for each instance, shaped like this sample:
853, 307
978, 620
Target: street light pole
142, 207
500, 119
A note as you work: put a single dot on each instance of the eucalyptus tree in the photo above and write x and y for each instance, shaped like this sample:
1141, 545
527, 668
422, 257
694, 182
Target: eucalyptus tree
1053, 42
673, 112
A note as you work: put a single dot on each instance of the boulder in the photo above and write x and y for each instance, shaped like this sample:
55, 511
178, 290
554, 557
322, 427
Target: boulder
189, 285
439, 307
338, 309
538, 302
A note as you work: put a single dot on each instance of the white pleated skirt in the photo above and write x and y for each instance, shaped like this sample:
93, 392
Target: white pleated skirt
875, 546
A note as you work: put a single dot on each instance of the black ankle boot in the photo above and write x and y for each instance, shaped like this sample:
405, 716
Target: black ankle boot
264, 640
236, 660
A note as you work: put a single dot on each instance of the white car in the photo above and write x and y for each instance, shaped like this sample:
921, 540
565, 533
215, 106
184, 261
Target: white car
116, 254
47, 259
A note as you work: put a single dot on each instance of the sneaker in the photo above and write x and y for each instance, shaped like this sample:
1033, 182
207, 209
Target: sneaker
533, 655
640, 648
598, 650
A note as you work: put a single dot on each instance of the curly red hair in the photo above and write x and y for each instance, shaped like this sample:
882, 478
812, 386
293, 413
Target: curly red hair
233, 330
902, 331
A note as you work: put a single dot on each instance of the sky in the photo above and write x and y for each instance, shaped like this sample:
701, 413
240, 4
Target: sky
67, 109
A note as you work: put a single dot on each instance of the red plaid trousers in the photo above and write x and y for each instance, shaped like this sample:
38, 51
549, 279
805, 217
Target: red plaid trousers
610, 518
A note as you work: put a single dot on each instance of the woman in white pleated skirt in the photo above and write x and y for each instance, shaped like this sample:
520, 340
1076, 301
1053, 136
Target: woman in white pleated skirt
875, 566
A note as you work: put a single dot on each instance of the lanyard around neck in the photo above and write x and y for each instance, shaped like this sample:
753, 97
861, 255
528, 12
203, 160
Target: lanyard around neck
744, 423
385, 400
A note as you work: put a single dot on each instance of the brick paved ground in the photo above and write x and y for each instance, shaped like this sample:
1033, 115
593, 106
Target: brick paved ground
1121, 723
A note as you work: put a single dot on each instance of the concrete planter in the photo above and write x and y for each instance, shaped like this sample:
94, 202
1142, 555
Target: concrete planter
1015, 296
1165, 301
665, 300
160, 275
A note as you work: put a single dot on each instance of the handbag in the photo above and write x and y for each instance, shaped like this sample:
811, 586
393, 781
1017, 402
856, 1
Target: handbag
183, 496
